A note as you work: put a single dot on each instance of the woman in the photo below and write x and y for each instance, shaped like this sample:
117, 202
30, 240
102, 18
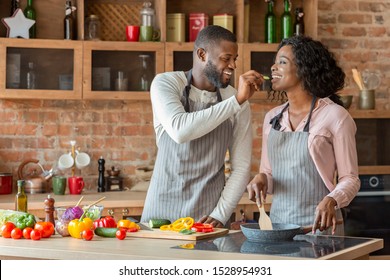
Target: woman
307, 141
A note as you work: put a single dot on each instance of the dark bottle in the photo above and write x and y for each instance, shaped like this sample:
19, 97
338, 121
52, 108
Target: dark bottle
69, 22
270, 23
286, 24
21, 197
101, 179
14, 6
299, 26
30, 13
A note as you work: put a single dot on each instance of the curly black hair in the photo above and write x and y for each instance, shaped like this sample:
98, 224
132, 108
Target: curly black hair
316, 67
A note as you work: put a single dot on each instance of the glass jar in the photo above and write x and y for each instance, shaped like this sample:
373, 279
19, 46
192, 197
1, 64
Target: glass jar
92, 28
147, 14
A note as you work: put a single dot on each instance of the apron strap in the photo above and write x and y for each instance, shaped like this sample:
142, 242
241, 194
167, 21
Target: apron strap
186, 92
313, 102
275, 121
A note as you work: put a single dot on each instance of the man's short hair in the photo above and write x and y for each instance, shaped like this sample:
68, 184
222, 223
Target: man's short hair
212, 35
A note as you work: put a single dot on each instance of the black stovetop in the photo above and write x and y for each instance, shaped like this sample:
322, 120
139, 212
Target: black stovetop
303, 246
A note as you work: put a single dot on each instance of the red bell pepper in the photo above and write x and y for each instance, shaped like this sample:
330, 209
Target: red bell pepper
107, 222
200, 227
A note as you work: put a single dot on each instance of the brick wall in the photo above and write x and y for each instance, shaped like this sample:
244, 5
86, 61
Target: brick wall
122, 132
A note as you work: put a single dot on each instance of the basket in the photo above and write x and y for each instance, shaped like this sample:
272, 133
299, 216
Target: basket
115, 17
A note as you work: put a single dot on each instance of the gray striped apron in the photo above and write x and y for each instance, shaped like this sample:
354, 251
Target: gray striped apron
188, 178
298, 187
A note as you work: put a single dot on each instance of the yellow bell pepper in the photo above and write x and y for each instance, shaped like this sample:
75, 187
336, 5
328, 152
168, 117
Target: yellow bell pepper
179, 224
127, 224
77, 226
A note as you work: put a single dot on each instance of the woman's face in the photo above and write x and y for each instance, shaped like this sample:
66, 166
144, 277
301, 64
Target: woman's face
284, 71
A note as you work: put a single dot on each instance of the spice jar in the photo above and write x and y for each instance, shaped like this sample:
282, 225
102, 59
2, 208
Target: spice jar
92, 28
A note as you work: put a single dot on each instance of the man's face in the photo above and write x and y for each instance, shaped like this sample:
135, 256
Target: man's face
221, 62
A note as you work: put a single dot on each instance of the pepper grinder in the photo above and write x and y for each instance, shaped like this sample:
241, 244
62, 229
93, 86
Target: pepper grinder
49, 209
101, 180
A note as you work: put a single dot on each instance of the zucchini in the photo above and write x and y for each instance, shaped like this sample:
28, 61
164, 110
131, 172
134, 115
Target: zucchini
106, 232
157, 223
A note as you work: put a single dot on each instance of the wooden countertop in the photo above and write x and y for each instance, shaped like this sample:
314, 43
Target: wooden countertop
68, 248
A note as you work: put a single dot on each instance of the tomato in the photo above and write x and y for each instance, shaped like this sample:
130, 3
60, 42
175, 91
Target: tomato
87, 234
16, 233
120, 234
46, 228
36, 234
27, 232
6, 229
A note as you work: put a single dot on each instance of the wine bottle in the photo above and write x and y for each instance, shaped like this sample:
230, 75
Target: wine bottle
14, 6
30, 13
287, 28
21, 197
270, 23
69, 22
299, 26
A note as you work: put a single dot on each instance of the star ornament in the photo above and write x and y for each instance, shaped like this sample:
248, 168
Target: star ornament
18, 25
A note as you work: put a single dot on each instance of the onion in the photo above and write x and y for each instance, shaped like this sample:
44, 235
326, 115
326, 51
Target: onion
62, 227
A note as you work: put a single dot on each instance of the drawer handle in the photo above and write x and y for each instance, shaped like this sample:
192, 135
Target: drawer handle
125, 211
110, 212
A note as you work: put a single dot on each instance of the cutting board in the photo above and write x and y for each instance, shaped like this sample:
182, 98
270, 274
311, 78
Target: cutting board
164, 234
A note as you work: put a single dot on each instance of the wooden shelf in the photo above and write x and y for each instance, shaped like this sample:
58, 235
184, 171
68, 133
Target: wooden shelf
374, 170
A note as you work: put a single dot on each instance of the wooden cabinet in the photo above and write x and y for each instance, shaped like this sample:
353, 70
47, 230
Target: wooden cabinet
372, 139
63, 59
124, 57
56, 66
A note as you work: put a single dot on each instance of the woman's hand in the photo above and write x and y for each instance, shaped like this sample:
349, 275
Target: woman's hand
325, 215
248, 83
258, 186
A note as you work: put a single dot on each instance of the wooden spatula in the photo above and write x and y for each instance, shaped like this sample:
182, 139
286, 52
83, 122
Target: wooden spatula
264, 220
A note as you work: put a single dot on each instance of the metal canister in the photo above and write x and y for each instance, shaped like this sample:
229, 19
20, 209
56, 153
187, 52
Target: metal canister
197, 22
176, 27
224, 20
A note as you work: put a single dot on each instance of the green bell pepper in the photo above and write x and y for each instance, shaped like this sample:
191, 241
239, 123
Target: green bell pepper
27, 220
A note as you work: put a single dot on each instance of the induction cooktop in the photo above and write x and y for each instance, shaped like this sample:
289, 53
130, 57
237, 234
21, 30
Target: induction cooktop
303, 246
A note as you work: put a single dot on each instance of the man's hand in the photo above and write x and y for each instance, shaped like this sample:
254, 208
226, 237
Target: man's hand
248, 83
210, 220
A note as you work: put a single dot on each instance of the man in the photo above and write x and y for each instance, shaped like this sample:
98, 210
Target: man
198, 117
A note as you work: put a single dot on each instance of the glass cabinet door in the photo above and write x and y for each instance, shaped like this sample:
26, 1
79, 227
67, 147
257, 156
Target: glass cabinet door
40, 70
123, 72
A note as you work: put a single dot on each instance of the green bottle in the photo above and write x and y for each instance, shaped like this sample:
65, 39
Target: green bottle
270, 24
30, 13
287, 24
21, 197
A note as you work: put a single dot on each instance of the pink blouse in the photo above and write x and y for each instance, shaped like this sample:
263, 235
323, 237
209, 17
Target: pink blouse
332, 146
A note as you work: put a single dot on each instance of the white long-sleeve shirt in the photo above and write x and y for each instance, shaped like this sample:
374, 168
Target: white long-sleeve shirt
169, 116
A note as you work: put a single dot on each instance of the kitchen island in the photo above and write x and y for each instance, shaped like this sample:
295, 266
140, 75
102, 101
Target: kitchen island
100, 248
118, 204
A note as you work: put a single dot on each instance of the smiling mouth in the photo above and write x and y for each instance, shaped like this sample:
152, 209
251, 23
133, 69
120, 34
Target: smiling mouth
229, 73
276, 77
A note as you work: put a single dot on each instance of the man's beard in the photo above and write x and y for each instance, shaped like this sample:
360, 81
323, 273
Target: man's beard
214, 76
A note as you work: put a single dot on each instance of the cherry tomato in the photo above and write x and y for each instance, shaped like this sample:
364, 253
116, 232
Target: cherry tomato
87, 234
36, 234
46, 228
27, 232
6, 229
120, 234
16, 233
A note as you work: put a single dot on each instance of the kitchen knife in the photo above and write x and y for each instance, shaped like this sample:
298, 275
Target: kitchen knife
141, 225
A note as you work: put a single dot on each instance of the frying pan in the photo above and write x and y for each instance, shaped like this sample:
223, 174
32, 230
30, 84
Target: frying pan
280, 232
